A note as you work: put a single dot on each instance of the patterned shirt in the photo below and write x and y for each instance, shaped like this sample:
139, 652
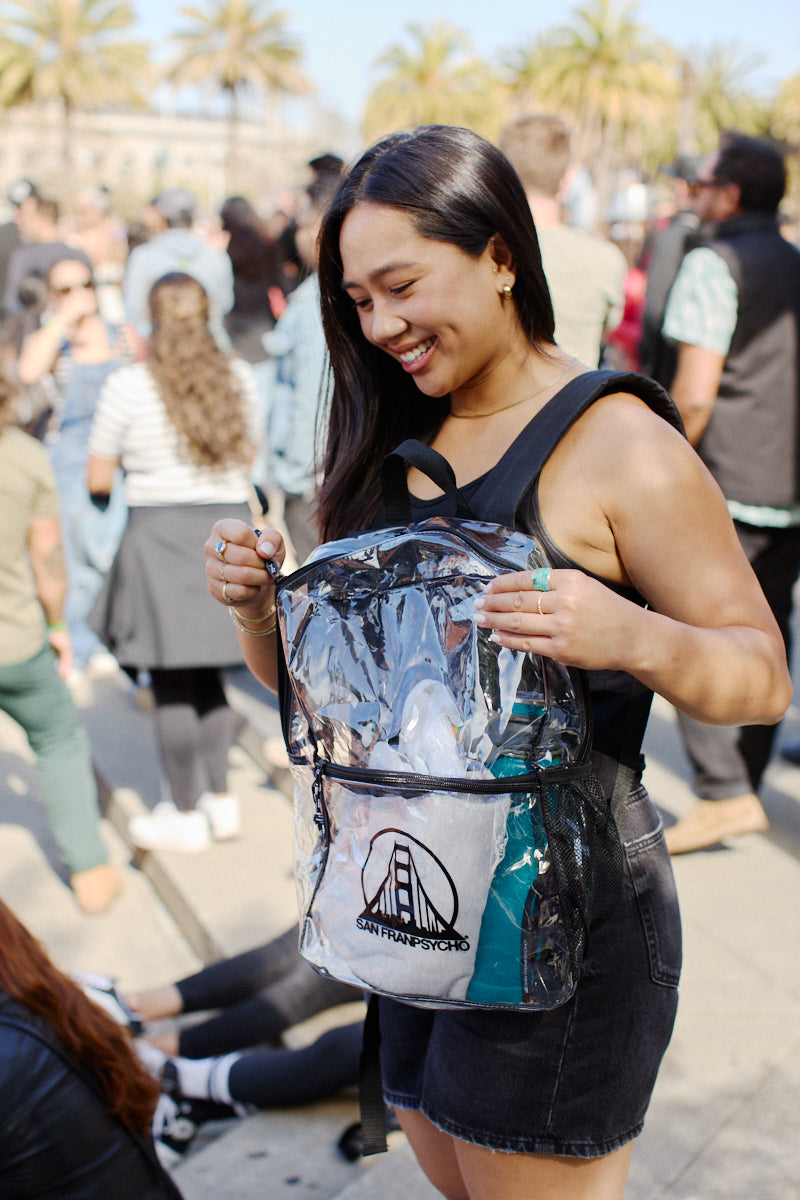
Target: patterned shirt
703, 304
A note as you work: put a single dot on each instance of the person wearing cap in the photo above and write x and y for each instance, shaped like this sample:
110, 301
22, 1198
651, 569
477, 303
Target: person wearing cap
657, 356
177, 248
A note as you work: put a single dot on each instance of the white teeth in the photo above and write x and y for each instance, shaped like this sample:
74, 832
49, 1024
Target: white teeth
412, 355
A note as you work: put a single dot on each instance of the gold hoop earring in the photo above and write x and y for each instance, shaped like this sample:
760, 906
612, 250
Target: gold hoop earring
507, 290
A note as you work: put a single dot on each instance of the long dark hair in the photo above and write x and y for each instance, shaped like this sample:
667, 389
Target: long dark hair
454, 187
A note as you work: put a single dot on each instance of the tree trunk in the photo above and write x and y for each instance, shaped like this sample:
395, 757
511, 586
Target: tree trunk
231, 164
67, 146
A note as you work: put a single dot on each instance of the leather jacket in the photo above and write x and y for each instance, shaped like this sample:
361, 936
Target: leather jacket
58, 1140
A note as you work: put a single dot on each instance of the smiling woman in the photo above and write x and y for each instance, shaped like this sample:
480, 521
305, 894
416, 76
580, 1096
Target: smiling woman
436, 309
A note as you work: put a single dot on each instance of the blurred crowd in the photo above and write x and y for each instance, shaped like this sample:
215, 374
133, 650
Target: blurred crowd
160, 373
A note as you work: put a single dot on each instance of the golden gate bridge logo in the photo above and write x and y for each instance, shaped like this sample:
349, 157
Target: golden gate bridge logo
409, 895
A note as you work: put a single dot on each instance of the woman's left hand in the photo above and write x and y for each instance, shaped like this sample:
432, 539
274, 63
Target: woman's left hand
577, 621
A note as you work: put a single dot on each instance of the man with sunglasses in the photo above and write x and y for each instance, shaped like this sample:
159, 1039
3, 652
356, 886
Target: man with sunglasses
734, 314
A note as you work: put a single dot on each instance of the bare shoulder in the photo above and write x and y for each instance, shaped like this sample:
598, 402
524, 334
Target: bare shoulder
624, 440
620, 480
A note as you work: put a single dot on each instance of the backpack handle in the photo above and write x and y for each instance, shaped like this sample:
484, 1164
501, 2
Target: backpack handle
394, 485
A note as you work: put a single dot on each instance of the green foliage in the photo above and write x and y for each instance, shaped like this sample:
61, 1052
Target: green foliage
438, 80
71, 51
235, 44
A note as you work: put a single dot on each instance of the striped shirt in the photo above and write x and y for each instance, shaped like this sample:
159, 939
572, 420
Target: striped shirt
131, 423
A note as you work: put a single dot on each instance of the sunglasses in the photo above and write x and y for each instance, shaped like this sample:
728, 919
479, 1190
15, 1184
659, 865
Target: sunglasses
74, 287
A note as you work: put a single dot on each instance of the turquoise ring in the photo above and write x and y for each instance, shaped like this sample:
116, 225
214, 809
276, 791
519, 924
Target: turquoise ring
540, 578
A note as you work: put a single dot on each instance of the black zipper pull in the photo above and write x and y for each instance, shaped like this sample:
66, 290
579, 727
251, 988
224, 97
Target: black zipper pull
270, 563
316, 794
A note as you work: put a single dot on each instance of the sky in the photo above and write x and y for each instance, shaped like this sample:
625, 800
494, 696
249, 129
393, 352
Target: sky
341, 41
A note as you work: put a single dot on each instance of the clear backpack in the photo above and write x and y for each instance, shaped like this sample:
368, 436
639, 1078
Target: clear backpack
453, 841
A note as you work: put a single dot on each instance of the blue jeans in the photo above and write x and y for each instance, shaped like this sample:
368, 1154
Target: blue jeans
90, 537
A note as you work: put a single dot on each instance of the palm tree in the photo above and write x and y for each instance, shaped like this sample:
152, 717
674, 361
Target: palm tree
613, 82
785, 126
722, 97
70, 51
787, 110
437, 81
234, 46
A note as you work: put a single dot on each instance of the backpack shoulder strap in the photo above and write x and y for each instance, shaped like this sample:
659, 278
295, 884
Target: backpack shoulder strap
499, 497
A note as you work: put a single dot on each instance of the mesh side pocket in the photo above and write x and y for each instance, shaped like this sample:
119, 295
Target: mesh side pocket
586, 855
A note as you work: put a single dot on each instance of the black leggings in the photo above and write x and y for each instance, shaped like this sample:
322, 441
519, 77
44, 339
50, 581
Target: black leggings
196, 729
261, 992
276, 1078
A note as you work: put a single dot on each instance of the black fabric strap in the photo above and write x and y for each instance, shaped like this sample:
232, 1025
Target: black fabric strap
411, 453
498, 499
370, 1084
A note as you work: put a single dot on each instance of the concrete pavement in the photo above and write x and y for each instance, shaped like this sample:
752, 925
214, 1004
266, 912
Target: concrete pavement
723, 1121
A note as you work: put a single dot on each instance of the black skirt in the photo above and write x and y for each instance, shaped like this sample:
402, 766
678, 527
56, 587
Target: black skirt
154, 609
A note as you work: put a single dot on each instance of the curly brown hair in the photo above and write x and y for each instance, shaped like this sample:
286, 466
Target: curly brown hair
91, 1035
194, 378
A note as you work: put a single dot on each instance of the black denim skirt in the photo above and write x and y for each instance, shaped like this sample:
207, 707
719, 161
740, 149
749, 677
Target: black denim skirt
573, 1081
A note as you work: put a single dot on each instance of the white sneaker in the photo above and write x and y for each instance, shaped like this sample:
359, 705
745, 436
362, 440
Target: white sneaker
223, 813
167, 828
102, 663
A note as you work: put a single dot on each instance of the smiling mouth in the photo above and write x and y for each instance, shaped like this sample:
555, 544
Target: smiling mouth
412, 356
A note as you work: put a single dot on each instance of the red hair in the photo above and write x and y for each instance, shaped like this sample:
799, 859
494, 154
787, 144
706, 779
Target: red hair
91, 1035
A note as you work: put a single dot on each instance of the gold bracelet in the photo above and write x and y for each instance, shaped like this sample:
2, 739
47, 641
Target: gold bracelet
263, 626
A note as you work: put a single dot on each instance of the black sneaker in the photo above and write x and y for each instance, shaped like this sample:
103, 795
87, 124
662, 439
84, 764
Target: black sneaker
178, 1118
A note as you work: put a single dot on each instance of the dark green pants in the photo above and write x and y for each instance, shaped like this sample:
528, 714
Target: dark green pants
33, 694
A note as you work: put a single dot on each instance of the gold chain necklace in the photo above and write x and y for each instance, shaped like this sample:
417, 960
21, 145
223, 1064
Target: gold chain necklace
516, 403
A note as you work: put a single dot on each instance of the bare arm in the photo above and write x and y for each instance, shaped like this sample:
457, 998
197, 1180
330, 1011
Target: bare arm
41, 348
100, 474
695, 386
708, 641
50, 580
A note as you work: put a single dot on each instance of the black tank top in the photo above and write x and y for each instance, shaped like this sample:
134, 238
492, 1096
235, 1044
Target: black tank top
620, 704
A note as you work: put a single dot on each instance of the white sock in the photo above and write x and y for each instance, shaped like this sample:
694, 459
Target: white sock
219, 1080
193, 1076
206, 1078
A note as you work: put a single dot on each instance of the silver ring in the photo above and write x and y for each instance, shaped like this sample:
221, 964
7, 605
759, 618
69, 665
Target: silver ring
221, 547
539, 603
225, 595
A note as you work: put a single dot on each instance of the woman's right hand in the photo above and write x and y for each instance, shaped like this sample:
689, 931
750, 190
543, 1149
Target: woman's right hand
236, 572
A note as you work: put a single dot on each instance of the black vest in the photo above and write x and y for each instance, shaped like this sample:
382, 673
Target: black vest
752, 442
